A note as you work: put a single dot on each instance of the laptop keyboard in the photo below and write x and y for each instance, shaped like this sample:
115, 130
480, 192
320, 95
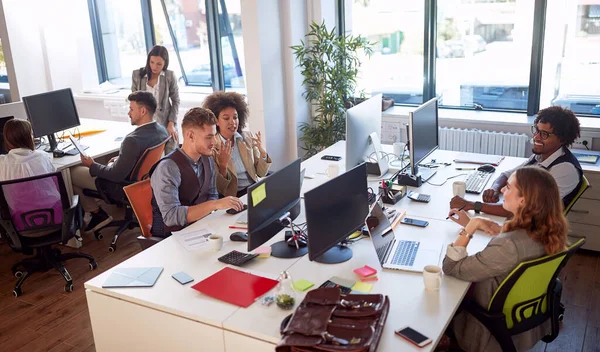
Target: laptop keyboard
476, 181
405, 253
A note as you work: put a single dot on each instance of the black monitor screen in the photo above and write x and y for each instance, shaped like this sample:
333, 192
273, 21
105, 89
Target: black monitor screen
51, 112
335, 210
423, 131
270, 199
3, 121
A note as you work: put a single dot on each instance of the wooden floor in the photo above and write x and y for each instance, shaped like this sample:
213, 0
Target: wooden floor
45, 318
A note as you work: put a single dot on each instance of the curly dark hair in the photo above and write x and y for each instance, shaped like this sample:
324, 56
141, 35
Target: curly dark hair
220, 100
564, 123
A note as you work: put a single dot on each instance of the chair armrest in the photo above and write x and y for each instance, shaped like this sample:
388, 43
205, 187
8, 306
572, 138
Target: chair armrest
72, 219
12, 235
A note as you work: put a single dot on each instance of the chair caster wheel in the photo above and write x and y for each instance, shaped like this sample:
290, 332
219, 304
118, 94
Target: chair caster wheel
18, 274
17, 292
69, 287
561, 317
98, 235
112, 248
93, 265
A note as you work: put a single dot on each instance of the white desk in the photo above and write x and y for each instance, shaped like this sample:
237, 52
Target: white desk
177, 318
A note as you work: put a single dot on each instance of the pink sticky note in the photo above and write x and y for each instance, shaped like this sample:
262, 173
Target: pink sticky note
365, 271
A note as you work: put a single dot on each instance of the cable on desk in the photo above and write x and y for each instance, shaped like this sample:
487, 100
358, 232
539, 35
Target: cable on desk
446, 180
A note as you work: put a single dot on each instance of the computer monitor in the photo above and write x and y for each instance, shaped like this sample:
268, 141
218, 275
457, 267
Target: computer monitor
423, 140
362, 121
3, 121
51, 112
272, 204
333, 212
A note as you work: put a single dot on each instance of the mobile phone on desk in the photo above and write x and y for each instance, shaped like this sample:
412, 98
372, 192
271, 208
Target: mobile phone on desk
182, 277
233, 211
414, 222
413, 336
331, 157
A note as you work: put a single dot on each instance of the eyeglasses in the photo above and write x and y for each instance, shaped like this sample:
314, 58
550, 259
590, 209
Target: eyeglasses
544, 134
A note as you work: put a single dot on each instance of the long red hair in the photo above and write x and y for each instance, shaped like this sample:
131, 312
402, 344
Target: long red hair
542, 214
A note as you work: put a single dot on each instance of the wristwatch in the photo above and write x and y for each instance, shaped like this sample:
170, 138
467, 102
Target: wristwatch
477, 207
464, 232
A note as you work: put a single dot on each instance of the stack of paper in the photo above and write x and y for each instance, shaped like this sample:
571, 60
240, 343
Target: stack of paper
366, 273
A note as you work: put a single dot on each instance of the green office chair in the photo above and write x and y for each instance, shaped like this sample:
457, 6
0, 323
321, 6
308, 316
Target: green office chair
527, 298
584, 185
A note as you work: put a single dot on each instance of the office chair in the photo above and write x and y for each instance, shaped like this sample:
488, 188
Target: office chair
37, 214
528, 297
112, 192
584, 186
140, 199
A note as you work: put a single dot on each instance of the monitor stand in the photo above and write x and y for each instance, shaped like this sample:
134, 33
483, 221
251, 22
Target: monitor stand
282, 250
337, 254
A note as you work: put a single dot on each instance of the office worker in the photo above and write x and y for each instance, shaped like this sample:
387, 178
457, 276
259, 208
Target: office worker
538, 228
183, 183
162, 83
142, 106
239, 156
554, 130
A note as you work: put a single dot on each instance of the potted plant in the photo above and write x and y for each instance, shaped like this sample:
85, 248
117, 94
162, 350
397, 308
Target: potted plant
329, 64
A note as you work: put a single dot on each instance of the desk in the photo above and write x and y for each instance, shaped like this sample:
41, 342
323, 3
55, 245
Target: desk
176, 318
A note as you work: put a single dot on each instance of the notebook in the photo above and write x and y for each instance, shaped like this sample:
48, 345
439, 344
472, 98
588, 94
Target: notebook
132, 277
235, 286
481, 159
586, 158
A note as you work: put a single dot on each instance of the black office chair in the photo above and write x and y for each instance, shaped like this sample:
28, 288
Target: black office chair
36, 213
112, 192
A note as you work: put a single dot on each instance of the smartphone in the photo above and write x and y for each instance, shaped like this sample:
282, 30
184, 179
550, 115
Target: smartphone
331, 157
233, 211
414, 222
182, 277
413, 336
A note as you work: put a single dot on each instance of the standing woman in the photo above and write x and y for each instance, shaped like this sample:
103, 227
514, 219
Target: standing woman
538, 228
239, 156
162, 83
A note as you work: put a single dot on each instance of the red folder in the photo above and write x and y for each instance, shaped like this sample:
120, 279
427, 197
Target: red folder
235, 287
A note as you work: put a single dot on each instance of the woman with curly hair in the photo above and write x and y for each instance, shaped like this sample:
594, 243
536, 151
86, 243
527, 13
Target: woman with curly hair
239, 155
537, 228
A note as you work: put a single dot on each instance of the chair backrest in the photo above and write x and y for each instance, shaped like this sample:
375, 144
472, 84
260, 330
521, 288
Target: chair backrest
584, 185
523, 296
140, 198
150, 157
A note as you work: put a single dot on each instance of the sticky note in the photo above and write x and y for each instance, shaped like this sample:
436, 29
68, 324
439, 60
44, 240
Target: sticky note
362, 287
303, 285
259, 194
365, 271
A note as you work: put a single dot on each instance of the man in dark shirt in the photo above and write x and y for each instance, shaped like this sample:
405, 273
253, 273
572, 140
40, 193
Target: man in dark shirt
142, 106
184, 187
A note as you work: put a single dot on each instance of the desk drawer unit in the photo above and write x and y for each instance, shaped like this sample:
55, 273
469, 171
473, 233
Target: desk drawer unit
584, 217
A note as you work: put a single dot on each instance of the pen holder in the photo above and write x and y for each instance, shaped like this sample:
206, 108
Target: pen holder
392, 195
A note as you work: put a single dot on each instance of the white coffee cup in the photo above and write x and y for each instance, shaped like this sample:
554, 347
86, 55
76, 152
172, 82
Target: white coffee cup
432, 277
333, 170
459, 188
215, 242
398, 148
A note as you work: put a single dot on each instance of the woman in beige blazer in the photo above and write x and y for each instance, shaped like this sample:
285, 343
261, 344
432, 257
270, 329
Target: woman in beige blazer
162, 83
537, 228
239, 155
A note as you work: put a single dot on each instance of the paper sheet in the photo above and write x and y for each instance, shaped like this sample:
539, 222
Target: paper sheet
194, 240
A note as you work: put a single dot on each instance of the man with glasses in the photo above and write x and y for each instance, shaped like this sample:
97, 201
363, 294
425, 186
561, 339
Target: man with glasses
554, 130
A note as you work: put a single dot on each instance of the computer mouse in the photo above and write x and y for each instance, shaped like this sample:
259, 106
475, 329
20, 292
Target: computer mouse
486, 168
239, 237
57, 153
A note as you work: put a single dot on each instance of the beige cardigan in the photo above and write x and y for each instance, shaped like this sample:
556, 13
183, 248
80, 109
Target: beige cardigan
254, 164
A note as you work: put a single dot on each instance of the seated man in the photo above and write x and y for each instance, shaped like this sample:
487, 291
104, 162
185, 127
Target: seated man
184, 186
142, 106
554, 130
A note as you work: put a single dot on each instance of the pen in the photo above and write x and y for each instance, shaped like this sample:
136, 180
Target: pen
459, 209
238, 227
465, 168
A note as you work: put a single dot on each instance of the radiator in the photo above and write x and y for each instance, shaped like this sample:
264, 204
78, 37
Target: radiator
463, 140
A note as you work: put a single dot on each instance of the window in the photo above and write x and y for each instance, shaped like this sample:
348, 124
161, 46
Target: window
572, 56
123, 39
396, 29
4, 91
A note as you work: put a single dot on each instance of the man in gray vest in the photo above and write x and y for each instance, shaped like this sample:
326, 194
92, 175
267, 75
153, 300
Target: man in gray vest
184, 187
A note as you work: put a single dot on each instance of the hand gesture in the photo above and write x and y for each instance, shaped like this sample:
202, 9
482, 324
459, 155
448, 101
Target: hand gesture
458, 202
460, 217
172, 131
491, 196
113, 159
224, 154
230, 202
257, 142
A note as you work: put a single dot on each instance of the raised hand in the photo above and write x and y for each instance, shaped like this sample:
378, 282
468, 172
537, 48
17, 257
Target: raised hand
257, 142
224, 155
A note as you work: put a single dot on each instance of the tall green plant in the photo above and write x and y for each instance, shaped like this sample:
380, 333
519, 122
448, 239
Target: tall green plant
329, 64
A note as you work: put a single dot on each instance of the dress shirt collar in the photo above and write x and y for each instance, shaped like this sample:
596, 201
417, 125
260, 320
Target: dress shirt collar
557, 154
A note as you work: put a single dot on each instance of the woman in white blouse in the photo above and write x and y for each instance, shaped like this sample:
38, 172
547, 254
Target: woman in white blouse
162, 83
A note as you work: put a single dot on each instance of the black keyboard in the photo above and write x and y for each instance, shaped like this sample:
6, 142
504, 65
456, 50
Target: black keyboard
343, 289
237, 258
477, 180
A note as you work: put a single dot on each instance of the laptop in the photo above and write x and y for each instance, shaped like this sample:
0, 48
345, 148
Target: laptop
398, 254
243, 219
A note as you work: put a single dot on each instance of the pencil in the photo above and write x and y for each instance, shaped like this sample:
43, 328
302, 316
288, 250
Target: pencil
238, 227
459, 209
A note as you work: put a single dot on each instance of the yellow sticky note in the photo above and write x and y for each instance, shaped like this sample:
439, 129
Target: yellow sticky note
362, 287
259, 194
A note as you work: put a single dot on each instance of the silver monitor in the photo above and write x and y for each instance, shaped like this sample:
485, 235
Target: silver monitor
423, 133
361, 121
